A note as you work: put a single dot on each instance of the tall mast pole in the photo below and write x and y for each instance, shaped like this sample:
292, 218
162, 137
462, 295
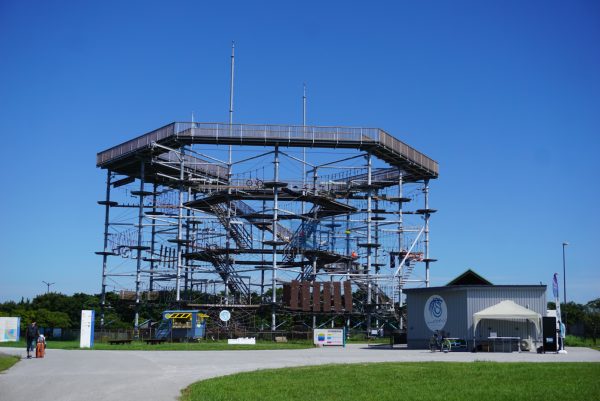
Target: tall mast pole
303, 149
231, 96
229, 171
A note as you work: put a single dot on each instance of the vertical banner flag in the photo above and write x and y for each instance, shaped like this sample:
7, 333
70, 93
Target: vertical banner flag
556, 296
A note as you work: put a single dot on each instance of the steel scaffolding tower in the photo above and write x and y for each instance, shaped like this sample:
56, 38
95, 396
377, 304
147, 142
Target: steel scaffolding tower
332, 209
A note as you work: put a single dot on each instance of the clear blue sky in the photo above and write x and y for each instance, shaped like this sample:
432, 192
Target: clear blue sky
504, 95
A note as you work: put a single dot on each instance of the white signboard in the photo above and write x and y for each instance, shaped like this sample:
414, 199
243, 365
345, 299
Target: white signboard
9, 328
435, 313
86, 339
242, 341
324, 337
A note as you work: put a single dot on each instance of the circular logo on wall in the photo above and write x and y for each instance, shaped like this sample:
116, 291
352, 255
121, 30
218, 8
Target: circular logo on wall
225, 315
436, 313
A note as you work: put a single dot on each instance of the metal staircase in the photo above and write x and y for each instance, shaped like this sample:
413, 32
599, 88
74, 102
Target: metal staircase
237, 231
299, 239
246, 211
163, 330
407, 270
225, 269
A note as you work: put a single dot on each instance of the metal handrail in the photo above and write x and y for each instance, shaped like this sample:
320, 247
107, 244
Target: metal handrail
360, 137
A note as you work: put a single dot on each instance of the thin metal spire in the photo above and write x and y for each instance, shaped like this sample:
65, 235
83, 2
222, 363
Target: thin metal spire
304, 105
231, 92
303, 133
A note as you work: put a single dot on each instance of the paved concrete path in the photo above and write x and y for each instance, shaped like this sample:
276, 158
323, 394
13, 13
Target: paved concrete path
66, 375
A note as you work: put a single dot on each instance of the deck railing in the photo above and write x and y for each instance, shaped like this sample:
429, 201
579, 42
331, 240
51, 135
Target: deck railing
310, 135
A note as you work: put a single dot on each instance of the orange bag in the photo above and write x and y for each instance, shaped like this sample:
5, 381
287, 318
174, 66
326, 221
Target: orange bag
39, 350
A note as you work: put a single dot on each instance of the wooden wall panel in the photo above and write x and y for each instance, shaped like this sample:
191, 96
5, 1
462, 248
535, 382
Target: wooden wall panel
294, 295
316, 296
348, 296
337, 296
327, 296
305, 295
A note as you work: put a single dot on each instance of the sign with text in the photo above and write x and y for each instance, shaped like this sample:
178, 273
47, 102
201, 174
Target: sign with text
326, 337
9, 329
242, 341
86, 339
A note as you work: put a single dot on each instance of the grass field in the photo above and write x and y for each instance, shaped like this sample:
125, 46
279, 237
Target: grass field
572, 341
6, 361
407, 381
202, 346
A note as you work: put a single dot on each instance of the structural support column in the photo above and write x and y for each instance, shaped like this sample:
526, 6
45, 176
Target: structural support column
427, 260
315, 215
263, 265
188, 283
369, 210
275, 219
153, 238
105, 249
180, 226
139, 248
400, 241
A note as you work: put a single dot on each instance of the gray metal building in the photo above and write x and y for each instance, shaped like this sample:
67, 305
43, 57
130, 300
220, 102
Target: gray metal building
449, 310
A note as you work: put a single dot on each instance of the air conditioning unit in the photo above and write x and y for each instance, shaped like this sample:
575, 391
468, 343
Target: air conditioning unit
526, 344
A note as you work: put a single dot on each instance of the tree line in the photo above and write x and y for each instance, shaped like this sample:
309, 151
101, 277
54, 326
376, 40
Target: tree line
55, 310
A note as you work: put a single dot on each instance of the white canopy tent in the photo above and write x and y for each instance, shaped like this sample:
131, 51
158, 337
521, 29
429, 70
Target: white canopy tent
507, 310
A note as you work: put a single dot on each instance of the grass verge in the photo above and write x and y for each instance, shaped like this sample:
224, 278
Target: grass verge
142, 346
407, 381
572, 341
6, 361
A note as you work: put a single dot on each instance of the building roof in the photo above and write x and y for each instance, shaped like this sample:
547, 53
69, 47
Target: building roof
452, 288
469, 277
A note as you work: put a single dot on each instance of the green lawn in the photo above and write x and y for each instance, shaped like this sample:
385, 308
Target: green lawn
6, 361
201, 346
408, 381
572, 341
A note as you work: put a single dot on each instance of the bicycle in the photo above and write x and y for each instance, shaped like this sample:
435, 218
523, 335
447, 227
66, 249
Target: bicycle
255, 183
439, 344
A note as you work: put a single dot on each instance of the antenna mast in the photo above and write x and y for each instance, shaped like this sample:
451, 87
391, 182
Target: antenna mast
304, 134
231, 94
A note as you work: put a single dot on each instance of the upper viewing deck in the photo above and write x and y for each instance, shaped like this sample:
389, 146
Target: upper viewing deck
381, 144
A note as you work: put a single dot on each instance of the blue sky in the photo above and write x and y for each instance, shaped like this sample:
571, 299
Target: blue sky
504, 95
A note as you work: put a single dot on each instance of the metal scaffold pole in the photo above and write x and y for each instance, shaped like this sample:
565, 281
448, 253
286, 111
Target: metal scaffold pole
153, 239
105, 248
275, 218
427, 260
400, 238
180, 224
139, 248
229, 176
368, 244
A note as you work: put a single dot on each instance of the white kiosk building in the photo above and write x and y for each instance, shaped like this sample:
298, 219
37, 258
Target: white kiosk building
485, 316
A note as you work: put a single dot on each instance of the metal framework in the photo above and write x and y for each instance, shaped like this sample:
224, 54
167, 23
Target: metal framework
313, 204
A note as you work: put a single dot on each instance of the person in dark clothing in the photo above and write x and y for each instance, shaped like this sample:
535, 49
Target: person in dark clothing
32, 333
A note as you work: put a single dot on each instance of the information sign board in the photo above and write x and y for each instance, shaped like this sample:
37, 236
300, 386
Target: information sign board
326, 337
9, 328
